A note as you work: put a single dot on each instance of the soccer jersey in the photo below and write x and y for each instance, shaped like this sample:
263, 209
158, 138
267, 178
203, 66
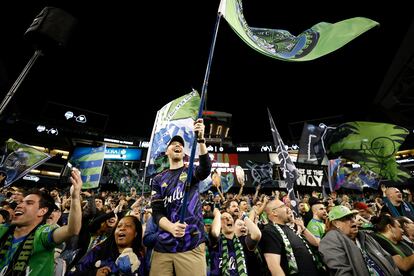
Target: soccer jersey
216, 255
41, 262
316, 227
169, 187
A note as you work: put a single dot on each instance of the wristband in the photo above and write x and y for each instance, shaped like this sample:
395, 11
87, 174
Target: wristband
201, 140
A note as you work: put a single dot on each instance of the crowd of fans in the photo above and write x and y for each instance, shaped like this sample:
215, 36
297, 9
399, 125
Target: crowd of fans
178, 231
245, 234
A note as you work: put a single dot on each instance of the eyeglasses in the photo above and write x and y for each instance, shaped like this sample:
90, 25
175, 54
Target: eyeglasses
348, 218
281, 206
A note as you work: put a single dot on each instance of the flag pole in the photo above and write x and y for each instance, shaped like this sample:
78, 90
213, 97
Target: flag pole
147, 160
200, 115
289, 170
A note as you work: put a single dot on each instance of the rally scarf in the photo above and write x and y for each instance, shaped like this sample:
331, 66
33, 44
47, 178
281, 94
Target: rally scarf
292, 264
373, 268
407, 210
240, 260
21, 257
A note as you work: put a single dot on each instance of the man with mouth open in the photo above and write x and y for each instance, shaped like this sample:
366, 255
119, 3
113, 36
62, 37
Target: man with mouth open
27, 244
231, 245
285, 251
348, 251
185, 240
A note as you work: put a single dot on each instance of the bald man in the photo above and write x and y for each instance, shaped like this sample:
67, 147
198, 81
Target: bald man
394, 203
281, 245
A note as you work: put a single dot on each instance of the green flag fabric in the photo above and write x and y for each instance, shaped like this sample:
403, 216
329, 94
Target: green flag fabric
89, 160
321, 39
17, 159
175, 118
372, 145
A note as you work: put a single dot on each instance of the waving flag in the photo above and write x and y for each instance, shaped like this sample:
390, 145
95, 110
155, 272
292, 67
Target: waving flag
261, 173
227, 181
175, 118
371, 145
17, 160
289, 170
310, 149
205, 185
350, 176
321, 39
89, 160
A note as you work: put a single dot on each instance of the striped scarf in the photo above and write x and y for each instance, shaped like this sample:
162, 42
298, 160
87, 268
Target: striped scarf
21, 257
292, 264
240, 260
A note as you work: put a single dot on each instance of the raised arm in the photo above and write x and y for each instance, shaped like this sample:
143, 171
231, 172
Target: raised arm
75, 214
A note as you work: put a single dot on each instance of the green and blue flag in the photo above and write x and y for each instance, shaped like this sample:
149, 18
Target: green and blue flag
17, 159
321, 39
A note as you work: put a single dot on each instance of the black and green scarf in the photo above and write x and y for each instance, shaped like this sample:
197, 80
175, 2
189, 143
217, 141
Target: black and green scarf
396, 248
21, 257
240, 260
292, 264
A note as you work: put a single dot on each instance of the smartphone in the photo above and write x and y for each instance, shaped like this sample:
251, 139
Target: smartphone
65, 176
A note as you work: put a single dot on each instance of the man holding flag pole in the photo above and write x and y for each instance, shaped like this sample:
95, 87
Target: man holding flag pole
186, 238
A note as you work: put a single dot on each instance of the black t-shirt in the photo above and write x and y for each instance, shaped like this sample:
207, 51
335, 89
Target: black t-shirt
253, 260
272, 242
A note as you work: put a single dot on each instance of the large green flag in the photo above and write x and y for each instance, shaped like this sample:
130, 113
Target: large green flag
371, 145
321, 39
175, 118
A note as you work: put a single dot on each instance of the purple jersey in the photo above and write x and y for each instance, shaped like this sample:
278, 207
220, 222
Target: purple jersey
169, 187
216, 259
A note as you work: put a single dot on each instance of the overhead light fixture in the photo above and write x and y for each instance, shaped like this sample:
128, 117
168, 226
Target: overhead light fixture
51, 131
80, 118
31, 178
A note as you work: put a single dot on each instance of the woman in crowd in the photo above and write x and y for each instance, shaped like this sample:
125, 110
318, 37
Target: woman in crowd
347, 251
390, 235
120, 254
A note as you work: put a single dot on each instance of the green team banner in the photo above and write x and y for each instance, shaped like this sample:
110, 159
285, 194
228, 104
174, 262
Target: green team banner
372, 145
321, 39
175, 118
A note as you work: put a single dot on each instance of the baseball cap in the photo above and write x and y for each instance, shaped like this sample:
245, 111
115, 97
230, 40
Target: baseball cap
177, 138
339, 212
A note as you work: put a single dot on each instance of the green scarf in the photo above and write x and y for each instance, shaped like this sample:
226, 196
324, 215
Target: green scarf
21, 257
292, 264
240, 260
396, 248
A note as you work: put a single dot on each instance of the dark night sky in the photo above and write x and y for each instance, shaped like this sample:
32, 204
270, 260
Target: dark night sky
155, 52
